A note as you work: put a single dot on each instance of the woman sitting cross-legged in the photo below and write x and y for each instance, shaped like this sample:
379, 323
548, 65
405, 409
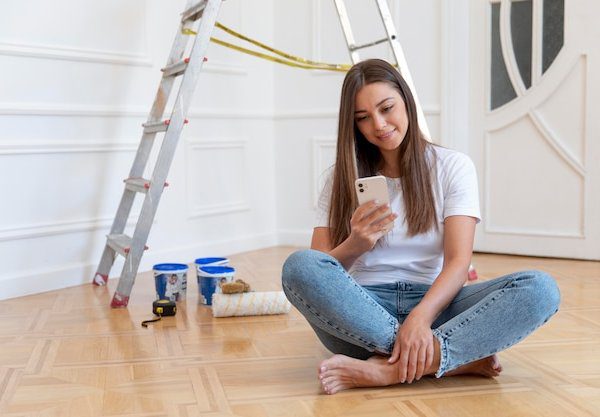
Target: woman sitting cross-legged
392, 305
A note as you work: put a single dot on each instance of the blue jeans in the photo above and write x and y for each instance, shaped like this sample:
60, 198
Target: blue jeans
360, 321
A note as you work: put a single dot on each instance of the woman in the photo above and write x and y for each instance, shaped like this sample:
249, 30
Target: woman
392, 306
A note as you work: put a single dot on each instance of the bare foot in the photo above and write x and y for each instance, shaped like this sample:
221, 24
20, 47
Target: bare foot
489, 367
342, 372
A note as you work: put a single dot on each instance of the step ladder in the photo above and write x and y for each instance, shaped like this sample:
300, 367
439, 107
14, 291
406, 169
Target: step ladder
392, 39
132, 248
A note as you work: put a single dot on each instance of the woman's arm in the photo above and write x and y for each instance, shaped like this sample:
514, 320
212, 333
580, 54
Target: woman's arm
367, 226
343, 253
414, 342
459, 233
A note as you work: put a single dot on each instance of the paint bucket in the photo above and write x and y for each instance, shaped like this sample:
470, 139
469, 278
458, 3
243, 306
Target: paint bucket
203, 262
170, 281
200, 262
210, 279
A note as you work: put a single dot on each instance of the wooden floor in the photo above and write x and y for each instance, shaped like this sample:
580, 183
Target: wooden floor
65, 353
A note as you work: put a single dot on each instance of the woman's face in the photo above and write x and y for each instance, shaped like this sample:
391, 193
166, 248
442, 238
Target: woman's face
380, 115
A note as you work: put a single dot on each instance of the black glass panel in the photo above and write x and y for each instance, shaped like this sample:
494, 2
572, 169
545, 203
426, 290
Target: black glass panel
553, 31
520, 28
501, 89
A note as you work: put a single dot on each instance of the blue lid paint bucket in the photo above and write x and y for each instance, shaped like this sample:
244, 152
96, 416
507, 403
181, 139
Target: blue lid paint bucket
200, 262
210, 279
170, 281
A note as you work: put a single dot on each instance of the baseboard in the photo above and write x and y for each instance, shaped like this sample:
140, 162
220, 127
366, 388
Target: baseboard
38, 281
42, 280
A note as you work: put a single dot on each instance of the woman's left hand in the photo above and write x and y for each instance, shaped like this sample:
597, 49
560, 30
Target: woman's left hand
413, 349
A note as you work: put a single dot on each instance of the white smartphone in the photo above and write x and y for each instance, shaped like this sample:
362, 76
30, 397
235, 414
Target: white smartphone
374, 188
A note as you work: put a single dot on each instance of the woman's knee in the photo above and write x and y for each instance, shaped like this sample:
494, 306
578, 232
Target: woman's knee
545, 291
301, 266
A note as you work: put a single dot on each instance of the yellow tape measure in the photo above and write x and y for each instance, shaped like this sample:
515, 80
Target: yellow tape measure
164, 308
161, 308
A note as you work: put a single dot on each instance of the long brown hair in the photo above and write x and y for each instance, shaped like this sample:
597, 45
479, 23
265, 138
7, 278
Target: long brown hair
415, 170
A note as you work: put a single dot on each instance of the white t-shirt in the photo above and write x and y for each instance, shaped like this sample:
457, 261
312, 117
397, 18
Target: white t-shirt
397, 257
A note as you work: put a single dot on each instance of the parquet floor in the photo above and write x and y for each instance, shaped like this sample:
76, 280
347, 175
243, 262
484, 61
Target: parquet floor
65, 353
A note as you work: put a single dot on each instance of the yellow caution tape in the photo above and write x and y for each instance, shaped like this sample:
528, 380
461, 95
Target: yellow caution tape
291, 60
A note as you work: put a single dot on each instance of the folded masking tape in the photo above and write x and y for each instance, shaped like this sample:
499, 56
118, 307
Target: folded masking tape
250, 304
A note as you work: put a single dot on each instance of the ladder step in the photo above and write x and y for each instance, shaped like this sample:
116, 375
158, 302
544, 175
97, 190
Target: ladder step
139, 185
161, 126
121, 244
194, 12
153, 127
366, 45
175, 69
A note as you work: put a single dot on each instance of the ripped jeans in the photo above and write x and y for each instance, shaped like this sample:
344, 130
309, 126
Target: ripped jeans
360, 321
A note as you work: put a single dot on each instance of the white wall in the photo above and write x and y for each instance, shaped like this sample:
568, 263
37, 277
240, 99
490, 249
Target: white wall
76, 86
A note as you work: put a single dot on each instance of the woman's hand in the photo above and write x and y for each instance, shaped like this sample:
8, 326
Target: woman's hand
413, 349
368, 224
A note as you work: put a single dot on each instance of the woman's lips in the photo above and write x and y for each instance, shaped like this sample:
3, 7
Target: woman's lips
386, 135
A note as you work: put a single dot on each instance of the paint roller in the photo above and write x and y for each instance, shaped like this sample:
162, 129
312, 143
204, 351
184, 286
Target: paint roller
250, 304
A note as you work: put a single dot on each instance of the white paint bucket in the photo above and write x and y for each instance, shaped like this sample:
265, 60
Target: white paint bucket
210, 279
170, 281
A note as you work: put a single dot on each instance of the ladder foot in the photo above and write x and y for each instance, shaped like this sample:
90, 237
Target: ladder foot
119, 300
100, 280
472, 275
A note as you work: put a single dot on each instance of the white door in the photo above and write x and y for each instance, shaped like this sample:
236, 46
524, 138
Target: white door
535, 125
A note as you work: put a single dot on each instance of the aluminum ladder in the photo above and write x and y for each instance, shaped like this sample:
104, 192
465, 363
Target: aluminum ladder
392, 38
132, 248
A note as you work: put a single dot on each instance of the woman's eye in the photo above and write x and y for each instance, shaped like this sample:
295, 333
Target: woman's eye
360, 119
387, 109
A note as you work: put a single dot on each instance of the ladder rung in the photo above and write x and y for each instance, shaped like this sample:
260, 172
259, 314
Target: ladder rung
194, 12
140, 185
121, 244
366, 45
153, 127
175, 69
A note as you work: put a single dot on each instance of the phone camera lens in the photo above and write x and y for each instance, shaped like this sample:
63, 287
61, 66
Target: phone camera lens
361, 190
359, 185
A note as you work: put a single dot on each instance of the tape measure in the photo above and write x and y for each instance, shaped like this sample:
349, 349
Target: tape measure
161, 308
164, 308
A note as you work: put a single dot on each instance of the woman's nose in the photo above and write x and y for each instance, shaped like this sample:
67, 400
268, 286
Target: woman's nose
380, 122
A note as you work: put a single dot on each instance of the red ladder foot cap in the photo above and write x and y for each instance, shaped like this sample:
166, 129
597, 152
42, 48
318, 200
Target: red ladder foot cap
100, 279
472, 275
119, 300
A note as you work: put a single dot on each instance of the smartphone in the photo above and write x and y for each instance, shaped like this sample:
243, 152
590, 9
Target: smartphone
374, 188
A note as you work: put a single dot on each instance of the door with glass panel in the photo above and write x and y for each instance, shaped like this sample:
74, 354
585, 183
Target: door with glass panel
535, 125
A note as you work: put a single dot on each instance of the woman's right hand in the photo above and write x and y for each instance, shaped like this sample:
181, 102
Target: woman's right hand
368, 225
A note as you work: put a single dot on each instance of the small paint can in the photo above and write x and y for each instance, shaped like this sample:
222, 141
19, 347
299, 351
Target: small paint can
210, 279
200, 262
170, 281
